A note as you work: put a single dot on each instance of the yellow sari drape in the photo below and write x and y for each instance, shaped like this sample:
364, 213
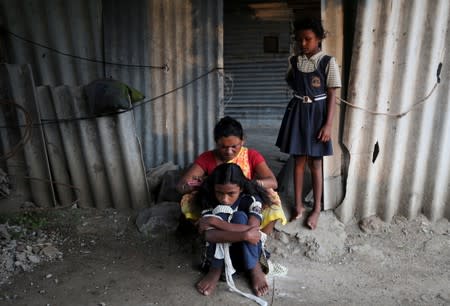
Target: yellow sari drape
270, 213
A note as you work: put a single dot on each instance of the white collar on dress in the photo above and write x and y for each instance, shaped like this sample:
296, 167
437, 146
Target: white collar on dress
313, 58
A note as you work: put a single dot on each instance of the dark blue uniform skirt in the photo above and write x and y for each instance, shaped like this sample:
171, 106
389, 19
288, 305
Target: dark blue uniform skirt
300, 127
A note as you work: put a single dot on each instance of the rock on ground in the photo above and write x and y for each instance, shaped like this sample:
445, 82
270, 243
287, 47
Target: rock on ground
322, 244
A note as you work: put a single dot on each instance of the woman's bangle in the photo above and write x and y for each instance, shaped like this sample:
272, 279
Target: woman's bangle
260, 183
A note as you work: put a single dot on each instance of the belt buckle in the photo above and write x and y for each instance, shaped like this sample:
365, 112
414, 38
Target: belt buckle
307, 99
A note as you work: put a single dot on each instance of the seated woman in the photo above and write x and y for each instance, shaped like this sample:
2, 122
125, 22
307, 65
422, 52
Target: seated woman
229, 138
231, 216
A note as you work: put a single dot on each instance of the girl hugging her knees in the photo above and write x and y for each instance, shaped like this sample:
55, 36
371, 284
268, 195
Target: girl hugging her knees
230, 223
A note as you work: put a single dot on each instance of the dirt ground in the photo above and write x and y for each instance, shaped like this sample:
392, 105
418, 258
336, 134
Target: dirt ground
107, 261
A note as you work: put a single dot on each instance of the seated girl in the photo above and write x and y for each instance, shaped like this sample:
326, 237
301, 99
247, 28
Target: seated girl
230, 222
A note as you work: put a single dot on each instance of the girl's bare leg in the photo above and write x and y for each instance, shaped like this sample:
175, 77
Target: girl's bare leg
299, 171
316, 173
208, 283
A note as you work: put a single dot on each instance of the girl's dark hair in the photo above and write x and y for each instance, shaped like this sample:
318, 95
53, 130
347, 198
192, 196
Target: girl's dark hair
312, 24
226, 127
228, 173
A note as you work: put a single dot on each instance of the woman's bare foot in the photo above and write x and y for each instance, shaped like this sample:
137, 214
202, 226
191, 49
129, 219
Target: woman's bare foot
313, 219
208, 283
259, 282
297, 213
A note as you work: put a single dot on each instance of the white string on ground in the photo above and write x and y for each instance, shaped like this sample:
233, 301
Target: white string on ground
229, 270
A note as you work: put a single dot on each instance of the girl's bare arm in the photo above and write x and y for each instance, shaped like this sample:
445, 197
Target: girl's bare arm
217, 230
252, 235
325, 131
206, 223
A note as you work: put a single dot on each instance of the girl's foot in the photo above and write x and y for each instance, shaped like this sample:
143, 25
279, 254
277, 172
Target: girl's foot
259, 282
208, 283
297, 213
313, 219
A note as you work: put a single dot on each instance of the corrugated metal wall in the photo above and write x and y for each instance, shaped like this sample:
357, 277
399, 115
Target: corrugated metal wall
259, 91
75, 42
23, 154
34, 28
399, 165
187, 37
95, 162
256, 91
169, 50
332, 13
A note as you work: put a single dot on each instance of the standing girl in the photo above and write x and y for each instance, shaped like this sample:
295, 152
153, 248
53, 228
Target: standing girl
305, 131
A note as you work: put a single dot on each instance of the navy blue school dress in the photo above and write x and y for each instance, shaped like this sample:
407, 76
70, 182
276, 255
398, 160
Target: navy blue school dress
306, 113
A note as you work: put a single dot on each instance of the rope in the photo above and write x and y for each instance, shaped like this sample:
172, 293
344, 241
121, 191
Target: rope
75, 188
229, 270
134, 106
93, 60
223, 252
399, 115
26, 136
137, 104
